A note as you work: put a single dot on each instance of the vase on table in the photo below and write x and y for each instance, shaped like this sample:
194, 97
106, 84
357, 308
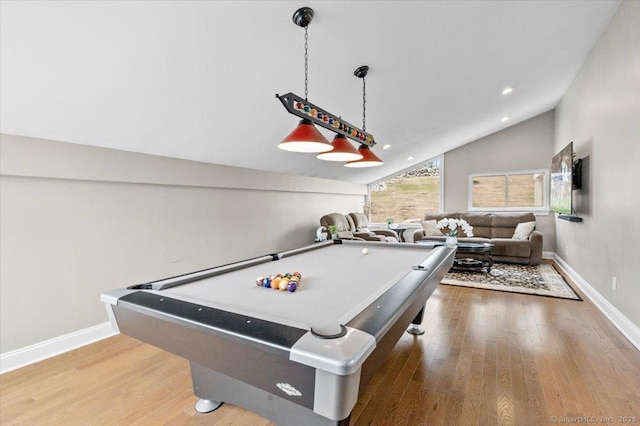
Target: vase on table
451, 241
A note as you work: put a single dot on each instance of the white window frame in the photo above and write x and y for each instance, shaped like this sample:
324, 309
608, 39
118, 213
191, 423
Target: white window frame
544, 209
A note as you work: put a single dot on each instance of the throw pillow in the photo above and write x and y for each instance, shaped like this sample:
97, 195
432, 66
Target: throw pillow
523, 230
431, 229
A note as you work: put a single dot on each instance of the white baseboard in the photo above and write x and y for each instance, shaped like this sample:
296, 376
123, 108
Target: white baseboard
13, 360
622, 323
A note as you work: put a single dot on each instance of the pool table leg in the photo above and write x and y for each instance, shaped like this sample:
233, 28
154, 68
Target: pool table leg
415, 328
207, 406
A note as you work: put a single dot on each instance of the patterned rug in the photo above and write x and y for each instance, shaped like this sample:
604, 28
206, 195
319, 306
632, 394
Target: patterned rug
539, 280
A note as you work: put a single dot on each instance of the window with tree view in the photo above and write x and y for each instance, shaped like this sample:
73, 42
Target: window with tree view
408, 195
509, 191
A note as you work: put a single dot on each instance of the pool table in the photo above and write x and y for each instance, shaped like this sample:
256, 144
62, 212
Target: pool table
298, 357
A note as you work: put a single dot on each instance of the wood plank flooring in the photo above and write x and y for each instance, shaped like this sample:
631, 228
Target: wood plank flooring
487, 358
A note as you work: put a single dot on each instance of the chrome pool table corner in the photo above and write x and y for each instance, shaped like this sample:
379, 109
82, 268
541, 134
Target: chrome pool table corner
338, 363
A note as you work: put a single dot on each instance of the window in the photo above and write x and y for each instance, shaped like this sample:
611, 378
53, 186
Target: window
408, 195
521, 190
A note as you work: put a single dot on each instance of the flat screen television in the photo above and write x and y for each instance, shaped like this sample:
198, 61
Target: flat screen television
565, 177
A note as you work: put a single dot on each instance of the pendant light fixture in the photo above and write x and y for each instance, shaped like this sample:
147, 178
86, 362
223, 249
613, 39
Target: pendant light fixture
342, 151
305, 137
369, 159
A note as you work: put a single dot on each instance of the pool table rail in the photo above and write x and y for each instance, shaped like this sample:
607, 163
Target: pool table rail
190, 277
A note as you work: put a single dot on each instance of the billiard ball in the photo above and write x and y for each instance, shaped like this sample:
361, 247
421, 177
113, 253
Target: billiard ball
259, 281
292, 287
365, 251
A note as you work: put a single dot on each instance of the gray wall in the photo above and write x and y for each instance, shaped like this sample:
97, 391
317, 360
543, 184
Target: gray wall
525, 146
600, 113
78, 220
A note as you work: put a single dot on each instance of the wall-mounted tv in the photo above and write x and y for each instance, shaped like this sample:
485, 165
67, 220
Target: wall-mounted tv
565, 177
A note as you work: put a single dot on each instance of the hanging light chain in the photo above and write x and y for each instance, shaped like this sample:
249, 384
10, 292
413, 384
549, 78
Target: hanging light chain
306, 63
364, 104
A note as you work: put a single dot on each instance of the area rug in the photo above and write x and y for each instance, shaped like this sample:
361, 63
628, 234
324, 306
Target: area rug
539, 280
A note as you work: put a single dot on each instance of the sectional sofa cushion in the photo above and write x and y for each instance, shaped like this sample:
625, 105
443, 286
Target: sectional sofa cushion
431, 228
523, 230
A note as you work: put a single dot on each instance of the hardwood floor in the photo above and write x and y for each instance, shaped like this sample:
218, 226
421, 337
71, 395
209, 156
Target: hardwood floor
487, 358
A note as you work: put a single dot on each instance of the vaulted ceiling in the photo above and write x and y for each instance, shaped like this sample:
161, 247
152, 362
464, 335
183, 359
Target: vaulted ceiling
197, 79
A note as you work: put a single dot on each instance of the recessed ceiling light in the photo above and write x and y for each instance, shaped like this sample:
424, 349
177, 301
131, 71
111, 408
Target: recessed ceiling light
505, 118
507, 90
409, 158
387, 146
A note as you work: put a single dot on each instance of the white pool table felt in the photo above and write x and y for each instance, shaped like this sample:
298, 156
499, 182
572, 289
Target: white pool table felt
338, 282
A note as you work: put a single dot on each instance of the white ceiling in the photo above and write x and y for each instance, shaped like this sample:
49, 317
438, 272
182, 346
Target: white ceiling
197, 80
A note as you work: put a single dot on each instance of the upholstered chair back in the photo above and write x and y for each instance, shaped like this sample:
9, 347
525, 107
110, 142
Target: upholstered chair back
343, 225
336, 219
360, 222
361, 225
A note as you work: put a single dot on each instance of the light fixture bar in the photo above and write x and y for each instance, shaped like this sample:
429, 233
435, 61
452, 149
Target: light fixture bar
297, 105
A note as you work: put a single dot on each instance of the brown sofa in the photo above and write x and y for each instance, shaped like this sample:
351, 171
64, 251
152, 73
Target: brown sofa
497, 229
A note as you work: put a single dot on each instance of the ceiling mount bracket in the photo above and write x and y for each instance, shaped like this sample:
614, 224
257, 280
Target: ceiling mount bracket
361, 72
303, 17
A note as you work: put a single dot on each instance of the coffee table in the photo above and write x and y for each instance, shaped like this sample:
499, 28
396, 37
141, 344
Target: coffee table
481, 262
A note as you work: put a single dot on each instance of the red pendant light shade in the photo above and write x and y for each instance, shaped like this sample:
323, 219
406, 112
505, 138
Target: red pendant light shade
305, 138
342, 151
369, 159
